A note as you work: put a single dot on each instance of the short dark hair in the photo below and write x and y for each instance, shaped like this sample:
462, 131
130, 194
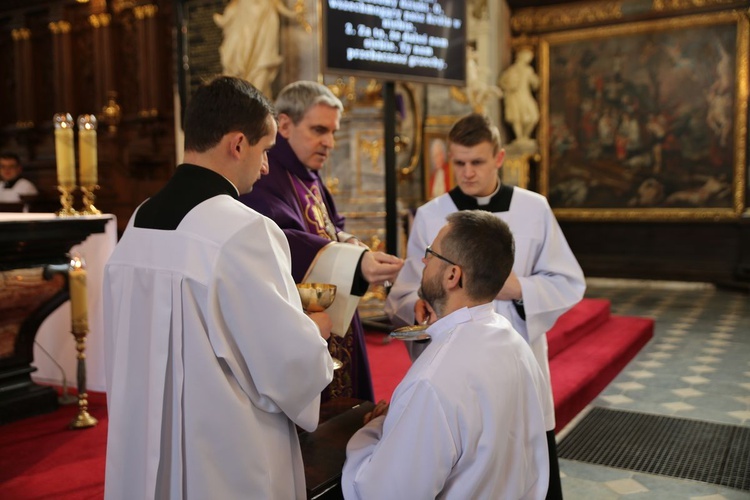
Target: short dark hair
482, 245
474, 129
7, 155
223, 105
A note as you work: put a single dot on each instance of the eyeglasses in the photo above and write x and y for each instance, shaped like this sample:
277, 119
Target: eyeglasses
429, 250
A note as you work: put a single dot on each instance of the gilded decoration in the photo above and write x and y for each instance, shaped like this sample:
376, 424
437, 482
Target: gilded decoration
516, 168
19, 34
550, 18
21, 292
647, 120
369, 162
670, 5
145, 11
59, 27
100, 20
372, 149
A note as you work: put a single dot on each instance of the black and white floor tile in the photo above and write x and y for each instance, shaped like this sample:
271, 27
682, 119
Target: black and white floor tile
697, 366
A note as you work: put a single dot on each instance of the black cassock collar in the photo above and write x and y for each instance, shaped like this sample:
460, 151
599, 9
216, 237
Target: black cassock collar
9, 184
190, 186
498, 203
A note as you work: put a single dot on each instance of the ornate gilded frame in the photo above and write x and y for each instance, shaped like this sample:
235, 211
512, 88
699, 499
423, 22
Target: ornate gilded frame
555, 166
436, 131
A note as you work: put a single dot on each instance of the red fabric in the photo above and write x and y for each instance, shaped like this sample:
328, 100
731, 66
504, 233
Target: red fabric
389, 362
42, 458
581, 320
584, 369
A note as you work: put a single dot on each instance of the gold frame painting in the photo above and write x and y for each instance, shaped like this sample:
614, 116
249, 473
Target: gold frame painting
646, 120
437, 170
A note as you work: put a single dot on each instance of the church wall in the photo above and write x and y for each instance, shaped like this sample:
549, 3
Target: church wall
112, 59
695, 234
134, 62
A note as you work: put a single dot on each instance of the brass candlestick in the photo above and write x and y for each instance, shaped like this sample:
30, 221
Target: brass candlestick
66, 201
80, 327
88, 200
83, 419
66, 162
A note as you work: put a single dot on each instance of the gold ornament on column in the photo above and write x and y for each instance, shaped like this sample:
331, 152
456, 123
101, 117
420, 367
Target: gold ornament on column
79, 319
88, 162
66, 162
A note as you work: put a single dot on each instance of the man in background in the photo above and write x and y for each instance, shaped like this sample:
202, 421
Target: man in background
294, 196
210, 360
468, 419
546, 280
13, 185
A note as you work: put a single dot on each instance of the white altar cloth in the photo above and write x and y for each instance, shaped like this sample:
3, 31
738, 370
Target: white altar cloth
54, 334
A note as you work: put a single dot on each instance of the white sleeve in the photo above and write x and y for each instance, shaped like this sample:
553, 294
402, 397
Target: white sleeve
409, 453
274, 349
556, 283
26, 188
399, 306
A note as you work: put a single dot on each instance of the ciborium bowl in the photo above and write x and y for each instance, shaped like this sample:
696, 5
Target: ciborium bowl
316, 297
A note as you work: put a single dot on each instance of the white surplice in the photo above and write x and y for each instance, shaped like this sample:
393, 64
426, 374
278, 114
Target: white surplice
551, 279
210, 360
467, 421
22, 187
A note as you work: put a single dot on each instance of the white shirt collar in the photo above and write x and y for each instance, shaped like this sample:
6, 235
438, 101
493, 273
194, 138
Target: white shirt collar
445, 325
485, 200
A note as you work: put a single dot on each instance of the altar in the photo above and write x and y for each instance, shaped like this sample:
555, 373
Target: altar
35, 250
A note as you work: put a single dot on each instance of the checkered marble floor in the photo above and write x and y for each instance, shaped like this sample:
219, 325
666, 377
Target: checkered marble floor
697, 366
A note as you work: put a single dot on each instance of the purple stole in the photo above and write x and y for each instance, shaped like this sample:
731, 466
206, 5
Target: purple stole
313, 207
315, 215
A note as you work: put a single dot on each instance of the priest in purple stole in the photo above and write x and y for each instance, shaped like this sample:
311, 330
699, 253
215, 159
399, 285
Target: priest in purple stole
294, 196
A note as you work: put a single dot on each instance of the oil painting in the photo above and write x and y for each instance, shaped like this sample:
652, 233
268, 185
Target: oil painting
646, 120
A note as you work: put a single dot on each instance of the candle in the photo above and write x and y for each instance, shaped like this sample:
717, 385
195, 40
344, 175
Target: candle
87, 158
78, 297
66, 175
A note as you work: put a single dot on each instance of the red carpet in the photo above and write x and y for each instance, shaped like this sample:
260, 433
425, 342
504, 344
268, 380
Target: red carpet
587, 349
389, 362
42, 459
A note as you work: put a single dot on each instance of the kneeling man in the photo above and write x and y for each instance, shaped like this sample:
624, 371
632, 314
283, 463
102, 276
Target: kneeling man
468, 419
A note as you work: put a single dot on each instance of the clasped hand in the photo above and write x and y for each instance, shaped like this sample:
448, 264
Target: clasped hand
323, 320
380, 409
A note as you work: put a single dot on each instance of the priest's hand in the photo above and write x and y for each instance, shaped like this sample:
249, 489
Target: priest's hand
511, 289
323, 320
424, 314
355, 241
380, 409
378, 267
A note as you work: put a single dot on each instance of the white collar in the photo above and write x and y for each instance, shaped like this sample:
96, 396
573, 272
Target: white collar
485, 200
443, 327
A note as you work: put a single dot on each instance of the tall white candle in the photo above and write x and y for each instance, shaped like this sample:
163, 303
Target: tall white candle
64, 151
87, 156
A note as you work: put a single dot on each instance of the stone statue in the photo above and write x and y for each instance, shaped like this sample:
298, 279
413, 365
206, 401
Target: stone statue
521, 110
250, 48
478, 92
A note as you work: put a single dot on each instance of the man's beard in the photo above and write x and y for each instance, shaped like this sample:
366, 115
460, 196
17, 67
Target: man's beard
432, 292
